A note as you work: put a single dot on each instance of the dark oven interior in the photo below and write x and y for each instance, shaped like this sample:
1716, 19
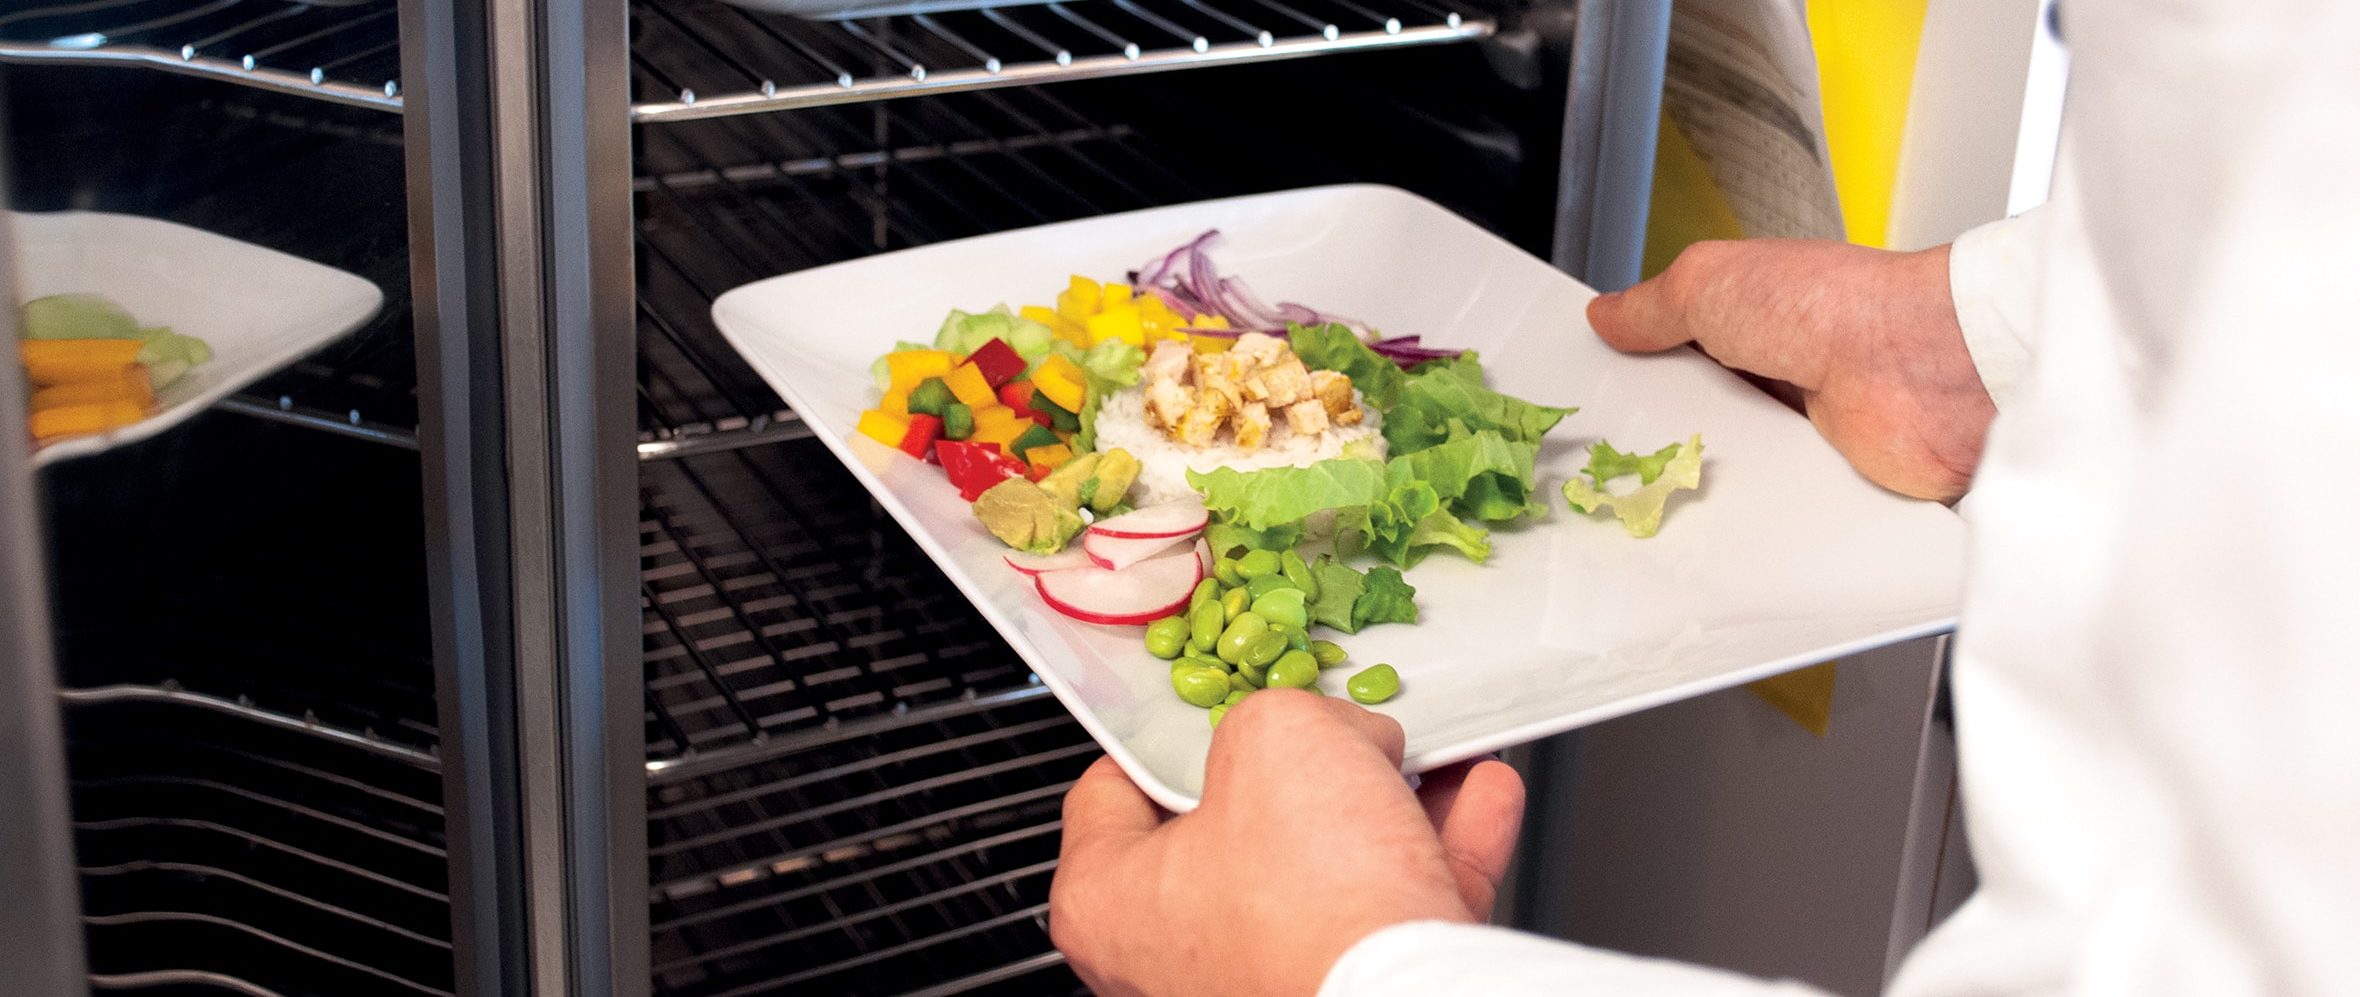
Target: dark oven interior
853, 784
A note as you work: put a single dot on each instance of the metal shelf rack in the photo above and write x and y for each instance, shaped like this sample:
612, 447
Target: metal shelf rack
702, 59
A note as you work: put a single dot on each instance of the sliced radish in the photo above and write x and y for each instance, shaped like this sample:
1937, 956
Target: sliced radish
1142, 593
1117, 553
1204, 558
1178, 518
1032, 564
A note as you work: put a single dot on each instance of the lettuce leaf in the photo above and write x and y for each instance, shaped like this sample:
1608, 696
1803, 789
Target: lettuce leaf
1431, 402
1334, 347
1641, 510
1284, 496
1339, 590
1607, 463
1479, 475
1227, 538
1441, 529
1385, 598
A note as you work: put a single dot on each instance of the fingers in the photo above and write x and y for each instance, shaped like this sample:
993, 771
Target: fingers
1289, 729
1477, 808
1103, 806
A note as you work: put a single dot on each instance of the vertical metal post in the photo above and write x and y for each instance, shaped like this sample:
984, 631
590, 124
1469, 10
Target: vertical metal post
519, 157
41, 918
1612, 103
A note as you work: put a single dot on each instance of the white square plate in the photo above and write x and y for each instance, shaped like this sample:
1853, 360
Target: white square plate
1786, 557
259, 309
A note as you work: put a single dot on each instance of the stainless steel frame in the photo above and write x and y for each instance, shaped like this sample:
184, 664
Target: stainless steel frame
40, 923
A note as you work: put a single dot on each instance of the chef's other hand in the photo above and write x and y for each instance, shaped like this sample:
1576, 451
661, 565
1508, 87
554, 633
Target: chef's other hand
1307, 841
1868, 340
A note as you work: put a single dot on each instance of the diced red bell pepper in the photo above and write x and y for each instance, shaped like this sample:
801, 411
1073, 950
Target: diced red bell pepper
975, 467
924, 430
997, 361
1018, 396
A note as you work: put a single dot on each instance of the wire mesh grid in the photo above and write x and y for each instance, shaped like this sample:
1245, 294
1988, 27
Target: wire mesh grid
877, 865
337, 50
207, 845
710, 59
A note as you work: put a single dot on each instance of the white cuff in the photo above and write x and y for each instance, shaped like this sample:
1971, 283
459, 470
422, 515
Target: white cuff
1993, 270
1438, 959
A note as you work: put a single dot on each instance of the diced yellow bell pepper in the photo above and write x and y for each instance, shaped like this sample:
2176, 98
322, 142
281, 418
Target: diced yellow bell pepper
1063, 382
1116, 296
1064, 328
1117, 323
967, 385
1079, 300
1211, 321
998, 425
909, 368
1045, 459
1209, 344
1153, 311
896, 402
883, 427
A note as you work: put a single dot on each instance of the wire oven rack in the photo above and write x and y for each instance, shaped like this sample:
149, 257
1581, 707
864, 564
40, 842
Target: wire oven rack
701, 58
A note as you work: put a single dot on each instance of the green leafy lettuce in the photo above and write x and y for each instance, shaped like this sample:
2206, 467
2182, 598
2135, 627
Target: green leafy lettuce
1385, 599
1349, 600
1480, 475
1660, 474
1433, 404
1378, 507
1226, 539
1334, 347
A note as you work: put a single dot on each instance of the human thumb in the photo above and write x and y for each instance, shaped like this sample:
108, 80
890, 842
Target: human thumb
1639, 320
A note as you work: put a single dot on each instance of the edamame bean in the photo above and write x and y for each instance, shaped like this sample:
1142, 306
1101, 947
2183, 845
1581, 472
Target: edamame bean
1238, 683
1233, 640
1254, 676
1166, 637
1204, 626
1235, 601
1207, 590
1262, 649
1236, 696
1193, 660
1297, 638
1213, 716
1374, 684
1329, 653
1293, 670
1256, 564
1283, 606
1201, 687
1225, 572
1268, 584
1299, 572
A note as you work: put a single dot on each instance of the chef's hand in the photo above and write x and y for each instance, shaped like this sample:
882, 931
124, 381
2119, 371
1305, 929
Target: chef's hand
1867, 339
1307, 841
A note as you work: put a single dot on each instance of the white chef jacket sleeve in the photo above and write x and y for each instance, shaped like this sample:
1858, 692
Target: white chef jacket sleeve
1437, 959
1993, 270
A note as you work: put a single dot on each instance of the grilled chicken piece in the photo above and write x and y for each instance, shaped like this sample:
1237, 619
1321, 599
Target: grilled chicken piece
1167, 401
1222, 374
1288, 382
1253, 426
1334, 392
1307, 417
1259, 349
1169, 362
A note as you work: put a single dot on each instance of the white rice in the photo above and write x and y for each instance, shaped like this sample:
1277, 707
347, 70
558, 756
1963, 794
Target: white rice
1164, 464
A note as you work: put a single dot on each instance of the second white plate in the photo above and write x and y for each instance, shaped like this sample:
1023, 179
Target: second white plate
259, 309
1786, 557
